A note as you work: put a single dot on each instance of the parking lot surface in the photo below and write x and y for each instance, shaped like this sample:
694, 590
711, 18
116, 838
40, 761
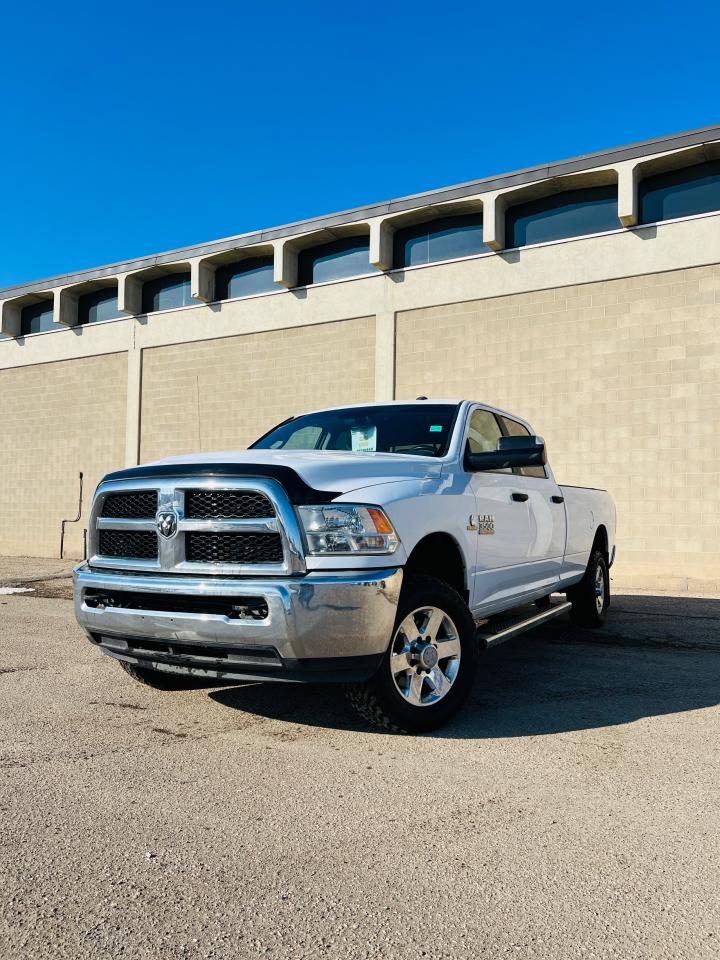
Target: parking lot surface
571, 810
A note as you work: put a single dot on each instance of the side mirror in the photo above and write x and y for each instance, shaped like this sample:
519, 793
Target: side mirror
511, 452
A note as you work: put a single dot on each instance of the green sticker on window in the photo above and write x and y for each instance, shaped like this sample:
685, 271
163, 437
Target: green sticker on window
436, 429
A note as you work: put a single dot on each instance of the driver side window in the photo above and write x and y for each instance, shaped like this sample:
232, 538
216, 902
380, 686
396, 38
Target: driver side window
483, 432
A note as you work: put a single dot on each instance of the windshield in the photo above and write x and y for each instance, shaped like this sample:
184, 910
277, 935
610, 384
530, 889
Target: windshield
421, 429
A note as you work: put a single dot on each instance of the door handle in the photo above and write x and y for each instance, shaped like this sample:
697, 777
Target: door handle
520, 497
556, 498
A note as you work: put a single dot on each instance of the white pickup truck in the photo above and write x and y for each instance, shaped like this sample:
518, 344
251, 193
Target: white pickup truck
382, 545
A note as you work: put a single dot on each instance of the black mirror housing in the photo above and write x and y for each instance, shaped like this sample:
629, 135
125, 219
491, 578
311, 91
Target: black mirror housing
511, 452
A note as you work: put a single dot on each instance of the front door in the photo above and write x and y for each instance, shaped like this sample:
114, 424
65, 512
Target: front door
501, 525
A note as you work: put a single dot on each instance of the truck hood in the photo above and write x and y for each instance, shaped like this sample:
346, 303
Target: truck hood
329, 470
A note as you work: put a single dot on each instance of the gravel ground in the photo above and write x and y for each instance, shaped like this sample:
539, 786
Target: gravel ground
44, 578
572, 810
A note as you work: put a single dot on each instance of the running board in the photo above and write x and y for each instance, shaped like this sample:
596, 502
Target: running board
515, 628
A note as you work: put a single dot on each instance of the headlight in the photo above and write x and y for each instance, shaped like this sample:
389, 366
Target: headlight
348, 528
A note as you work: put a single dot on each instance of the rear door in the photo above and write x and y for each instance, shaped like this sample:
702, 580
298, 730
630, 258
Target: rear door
501, 525
547, 515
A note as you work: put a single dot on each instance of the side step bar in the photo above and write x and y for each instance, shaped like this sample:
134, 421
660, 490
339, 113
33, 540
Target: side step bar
516, 627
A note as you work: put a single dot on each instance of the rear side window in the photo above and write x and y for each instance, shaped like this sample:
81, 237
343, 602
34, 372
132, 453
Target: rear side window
515, 429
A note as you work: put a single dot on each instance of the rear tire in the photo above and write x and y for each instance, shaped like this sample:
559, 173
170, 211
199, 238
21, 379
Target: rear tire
591, 597
429, 666
157, 679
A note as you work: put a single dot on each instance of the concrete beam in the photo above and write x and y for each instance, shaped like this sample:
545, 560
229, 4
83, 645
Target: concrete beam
202, 279
286, 263
494, 221
381, 243
627, 174
130, 293
65, 307
10, 312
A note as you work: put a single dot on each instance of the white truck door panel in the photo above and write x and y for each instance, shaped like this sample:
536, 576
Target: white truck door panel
547, 516
547, 528
501, 526
503, 539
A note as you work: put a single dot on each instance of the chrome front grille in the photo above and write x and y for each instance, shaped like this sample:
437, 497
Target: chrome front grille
137, 505
195, 526
234, 547
227, 505
135, 544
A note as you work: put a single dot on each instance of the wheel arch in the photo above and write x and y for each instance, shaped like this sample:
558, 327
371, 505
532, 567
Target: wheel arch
601, 541
439, 555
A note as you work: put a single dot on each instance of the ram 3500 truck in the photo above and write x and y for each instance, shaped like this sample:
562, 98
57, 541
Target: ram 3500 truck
382, 545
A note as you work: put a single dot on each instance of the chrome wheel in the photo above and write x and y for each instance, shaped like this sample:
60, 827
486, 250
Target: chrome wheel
425, 656
599, 589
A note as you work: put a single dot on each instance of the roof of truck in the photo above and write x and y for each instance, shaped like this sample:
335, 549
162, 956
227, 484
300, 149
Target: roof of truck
387, 403
404, 403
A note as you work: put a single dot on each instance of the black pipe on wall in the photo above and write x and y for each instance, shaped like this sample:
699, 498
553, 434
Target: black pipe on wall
74, 520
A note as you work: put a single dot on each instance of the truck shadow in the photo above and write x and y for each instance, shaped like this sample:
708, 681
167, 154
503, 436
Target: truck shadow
653, 658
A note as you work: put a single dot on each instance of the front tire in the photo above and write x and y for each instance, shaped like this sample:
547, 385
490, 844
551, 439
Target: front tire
157, 679
429, 666
591, 597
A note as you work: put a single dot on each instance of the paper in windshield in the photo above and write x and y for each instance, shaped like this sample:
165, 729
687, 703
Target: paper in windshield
364, 439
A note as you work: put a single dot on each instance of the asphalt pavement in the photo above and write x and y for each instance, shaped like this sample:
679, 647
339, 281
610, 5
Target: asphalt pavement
571, 811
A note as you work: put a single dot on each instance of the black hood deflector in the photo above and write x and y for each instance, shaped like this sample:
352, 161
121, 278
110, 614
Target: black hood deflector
297, 490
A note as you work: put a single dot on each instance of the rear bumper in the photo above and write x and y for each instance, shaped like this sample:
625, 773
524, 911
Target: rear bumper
323, 626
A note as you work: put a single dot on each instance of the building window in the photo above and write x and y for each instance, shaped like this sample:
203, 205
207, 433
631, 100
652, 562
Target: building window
348, 257
444, 239
98, 305
680, 193
246, 278
167, 293
573, 213
37, 318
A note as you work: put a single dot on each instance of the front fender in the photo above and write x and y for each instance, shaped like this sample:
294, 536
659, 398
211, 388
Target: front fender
416, 508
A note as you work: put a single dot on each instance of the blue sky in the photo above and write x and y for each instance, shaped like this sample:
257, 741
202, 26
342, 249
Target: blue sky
132, 128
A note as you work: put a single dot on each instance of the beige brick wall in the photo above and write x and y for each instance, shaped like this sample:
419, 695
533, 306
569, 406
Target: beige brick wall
57, 419
223, 394
623, 380
622, 377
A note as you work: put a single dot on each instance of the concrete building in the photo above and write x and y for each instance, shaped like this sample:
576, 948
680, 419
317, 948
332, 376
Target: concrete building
583, 295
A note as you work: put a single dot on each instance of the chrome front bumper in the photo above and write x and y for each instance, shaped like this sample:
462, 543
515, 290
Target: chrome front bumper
322, 626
